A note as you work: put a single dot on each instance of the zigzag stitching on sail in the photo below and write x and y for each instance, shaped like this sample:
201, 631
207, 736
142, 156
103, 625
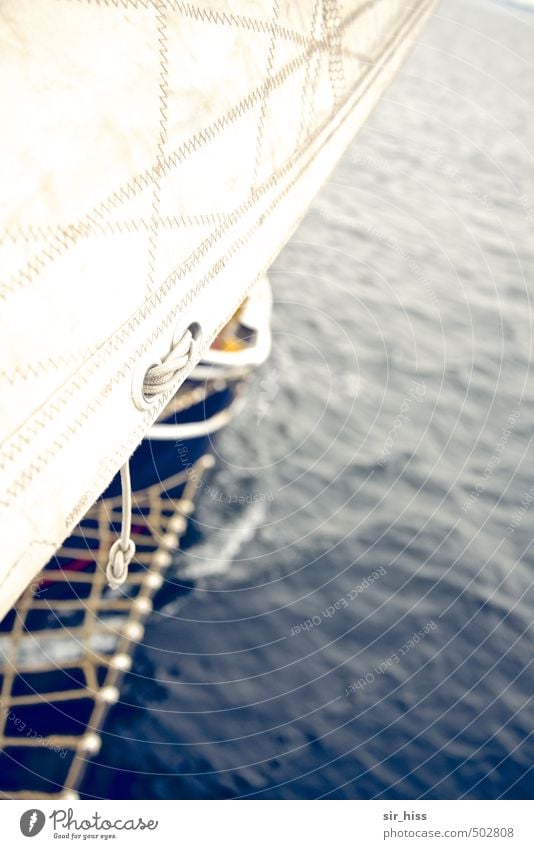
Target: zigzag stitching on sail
10, 452
240, 22
210, 16
264, 99
37, 369
38, 464
123, 333
28, 473
119, 4
109, 467
306, 98
125, 193
115, 342
163, 93
333, 28
129, 190
181, 222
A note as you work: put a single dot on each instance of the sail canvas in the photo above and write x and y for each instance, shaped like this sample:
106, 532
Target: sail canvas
155, 157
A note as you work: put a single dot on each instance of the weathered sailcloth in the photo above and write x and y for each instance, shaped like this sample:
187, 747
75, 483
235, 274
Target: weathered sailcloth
154, 155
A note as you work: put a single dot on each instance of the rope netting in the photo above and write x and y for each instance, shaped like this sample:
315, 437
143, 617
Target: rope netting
69, 640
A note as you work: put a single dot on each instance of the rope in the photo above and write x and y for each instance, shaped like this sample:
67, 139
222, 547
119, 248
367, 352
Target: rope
158, 379
123, 549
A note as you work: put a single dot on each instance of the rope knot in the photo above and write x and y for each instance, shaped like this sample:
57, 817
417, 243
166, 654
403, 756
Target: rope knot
118, 562
162, 377
123, 549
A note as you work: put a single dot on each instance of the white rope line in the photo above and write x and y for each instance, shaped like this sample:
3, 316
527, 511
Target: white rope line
123, 549
158, 379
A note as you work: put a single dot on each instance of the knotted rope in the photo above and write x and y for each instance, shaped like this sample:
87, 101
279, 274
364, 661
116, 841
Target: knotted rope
158, 379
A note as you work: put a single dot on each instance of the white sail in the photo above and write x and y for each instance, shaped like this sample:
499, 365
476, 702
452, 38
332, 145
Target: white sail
155, 155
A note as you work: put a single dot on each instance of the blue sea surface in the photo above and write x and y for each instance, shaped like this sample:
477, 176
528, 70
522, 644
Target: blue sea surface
353, 618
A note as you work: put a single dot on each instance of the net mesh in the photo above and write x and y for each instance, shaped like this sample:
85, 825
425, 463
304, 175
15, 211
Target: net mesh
68, 641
